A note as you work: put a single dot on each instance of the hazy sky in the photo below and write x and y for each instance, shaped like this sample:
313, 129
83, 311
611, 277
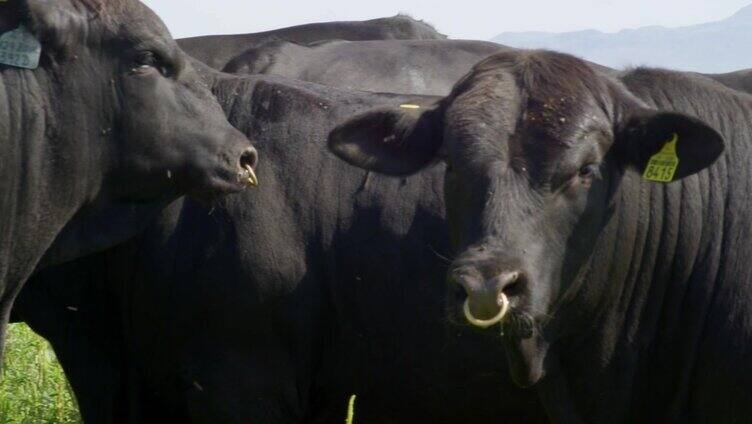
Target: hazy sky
473, 19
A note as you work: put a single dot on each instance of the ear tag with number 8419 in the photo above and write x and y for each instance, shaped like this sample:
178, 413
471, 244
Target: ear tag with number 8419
662, 165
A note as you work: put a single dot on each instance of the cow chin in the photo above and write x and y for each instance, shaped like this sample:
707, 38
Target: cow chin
222, 179
526, 357
219, 184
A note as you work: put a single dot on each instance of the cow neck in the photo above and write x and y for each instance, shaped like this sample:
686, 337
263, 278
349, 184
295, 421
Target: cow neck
50, 164
648, 274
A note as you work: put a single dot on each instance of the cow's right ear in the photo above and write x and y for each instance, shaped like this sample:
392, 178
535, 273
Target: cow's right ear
394, 141
58, 24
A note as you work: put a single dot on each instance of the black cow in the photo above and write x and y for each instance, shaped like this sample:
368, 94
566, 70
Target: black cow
276, 305
626, 300
217, 50
103, 121
420, 66
394, 66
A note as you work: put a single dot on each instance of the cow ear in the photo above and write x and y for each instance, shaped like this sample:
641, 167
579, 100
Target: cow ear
59, 24
393, 141
667, 146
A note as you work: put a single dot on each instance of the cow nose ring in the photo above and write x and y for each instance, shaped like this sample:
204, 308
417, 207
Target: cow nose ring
502, 300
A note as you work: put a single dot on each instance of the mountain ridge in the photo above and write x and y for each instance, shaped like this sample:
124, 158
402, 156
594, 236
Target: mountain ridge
717, 46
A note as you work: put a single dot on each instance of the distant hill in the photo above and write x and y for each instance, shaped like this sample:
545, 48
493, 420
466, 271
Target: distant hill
721, 46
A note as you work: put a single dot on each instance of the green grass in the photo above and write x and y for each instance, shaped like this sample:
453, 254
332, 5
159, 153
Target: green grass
33, 388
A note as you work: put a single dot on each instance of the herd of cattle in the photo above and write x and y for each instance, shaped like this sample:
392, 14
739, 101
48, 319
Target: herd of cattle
593, 224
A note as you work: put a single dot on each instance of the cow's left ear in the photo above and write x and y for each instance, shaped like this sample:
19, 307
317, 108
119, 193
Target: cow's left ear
58, 24
667, 146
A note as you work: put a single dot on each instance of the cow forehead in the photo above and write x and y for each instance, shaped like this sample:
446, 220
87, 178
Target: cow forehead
130, 19
483, 107
528, 104
142, 18
558, 119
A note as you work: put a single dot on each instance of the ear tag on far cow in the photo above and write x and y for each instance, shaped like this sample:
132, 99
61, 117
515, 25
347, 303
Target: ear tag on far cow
662, 165
20, 48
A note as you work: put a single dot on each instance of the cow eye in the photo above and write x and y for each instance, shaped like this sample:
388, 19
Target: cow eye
588, 171
147, 60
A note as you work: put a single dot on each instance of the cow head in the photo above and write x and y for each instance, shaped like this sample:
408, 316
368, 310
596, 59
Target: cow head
122, 90
536, 144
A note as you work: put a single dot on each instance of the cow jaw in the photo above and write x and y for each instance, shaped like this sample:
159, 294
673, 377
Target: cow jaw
526, 358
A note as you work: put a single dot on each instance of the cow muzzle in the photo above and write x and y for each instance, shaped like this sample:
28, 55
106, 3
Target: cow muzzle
488, 302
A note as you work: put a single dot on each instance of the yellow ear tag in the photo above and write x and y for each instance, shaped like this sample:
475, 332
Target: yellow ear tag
662, 165
408, 106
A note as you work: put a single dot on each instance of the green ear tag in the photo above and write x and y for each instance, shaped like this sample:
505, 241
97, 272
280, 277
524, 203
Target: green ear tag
662, 165
20, 48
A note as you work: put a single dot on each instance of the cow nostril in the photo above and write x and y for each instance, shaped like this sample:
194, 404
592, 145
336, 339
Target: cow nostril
249, 158
512, 289
511, 283
458, 292
248, 162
